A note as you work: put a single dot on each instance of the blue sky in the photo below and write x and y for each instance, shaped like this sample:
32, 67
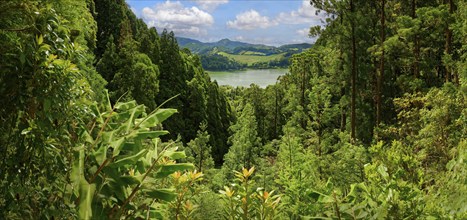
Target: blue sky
270, 22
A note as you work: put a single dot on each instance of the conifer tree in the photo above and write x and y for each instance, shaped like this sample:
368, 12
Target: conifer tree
201, 150
245, 142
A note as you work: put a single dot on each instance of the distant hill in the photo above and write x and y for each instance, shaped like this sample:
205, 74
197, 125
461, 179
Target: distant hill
224, 45
228, 55
236, 47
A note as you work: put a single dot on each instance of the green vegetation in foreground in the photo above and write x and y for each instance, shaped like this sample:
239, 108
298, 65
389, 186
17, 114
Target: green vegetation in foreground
251, 59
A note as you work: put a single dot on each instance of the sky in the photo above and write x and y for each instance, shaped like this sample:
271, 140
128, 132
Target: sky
269, 22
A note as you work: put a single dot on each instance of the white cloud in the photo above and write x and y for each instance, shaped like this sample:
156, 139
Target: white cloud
303, 32
306, 14
177, 18
210, 5
250, 20
239, 38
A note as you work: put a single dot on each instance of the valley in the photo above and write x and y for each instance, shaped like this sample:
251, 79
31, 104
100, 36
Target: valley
239, 55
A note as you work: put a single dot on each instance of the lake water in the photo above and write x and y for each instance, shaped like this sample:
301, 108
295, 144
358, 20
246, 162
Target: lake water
244, 78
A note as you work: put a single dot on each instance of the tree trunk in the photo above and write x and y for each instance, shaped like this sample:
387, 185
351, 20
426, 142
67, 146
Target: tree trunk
448, 44
416, 50
354, 75
380, 78
341, 69
276, 112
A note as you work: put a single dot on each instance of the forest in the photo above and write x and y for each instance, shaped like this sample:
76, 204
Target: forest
103, 117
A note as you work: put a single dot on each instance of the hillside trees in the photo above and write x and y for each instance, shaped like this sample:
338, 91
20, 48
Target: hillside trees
151, 69
136, 78
216, 62
200, 149
45, 93
48, 83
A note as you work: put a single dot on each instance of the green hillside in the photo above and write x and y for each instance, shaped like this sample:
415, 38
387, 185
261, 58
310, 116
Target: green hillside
250, 57
233, 55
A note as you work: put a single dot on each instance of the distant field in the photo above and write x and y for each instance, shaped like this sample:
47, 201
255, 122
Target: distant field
252, 53
250, 59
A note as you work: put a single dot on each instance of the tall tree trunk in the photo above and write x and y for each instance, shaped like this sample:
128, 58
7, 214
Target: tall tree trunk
416, 50
276, 111
448, 44
341, 69
354, 74
343, 113
380, 78
303, 88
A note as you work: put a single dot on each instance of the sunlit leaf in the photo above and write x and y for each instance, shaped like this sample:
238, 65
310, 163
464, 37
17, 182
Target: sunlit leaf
156, 118
86, 196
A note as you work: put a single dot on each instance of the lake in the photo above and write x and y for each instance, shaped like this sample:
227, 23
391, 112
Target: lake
262, 78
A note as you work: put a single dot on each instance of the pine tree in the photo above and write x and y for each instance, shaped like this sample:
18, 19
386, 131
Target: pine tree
201, 150
245, 142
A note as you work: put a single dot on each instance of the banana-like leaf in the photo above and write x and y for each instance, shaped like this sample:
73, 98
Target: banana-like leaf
125, 105
156, 118
129, 160
175, 155
147, 134
86, 196
77, 170
162, 194
134, 113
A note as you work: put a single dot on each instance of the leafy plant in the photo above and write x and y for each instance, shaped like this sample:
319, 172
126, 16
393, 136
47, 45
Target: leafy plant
119, 158
242, 201
183, 207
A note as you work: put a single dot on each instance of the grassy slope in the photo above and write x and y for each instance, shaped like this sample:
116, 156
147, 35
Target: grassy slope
249, 59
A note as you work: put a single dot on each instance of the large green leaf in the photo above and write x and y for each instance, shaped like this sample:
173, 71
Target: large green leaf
128, 160
134, 113
125, 105
86, 196
162, 194
77, 170
156, 118
174, 154
141, 135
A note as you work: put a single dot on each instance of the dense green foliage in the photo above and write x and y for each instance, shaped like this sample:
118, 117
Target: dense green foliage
50, 51
216, 62
370, 123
